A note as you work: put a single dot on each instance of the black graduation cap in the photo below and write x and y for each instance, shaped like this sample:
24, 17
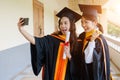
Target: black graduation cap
90, 9
69, 13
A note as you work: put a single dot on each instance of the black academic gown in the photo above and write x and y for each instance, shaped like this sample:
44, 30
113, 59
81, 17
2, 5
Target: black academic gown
76, 61
100, 68
45, 52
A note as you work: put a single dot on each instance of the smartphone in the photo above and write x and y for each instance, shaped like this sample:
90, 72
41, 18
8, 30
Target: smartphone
25, 20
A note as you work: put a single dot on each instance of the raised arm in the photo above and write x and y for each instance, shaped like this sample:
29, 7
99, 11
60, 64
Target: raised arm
29, 37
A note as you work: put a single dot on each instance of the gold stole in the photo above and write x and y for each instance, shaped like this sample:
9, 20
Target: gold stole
61, 64
87, 38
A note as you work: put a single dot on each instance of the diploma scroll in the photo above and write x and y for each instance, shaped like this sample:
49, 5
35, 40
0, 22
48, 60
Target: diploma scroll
66, 41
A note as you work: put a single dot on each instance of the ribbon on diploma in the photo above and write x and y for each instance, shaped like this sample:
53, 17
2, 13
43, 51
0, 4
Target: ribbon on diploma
66, 44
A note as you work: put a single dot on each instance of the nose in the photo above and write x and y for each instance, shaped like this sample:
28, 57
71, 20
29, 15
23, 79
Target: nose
62, 25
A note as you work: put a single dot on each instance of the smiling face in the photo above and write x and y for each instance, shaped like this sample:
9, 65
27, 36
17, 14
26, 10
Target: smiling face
88, 25
64, 25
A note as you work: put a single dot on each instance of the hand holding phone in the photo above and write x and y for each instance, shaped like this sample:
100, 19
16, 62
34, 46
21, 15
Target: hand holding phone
25, 21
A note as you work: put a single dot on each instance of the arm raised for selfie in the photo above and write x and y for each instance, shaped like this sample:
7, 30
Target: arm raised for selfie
28, 36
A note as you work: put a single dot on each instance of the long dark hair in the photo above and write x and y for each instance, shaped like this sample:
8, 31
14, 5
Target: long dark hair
73, 35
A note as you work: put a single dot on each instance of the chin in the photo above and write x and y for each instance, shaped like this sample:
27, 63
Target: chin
86, 31
63, 33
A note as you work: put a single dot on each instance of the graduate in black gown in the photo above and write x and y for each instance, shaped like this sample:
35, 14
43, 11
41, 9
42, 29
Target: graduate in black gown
94, 54
48, 51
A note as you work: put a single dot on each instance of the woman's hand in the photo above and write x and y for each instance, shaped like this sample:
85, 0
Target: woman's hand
20, 23
67, 50
28, 36
94, 35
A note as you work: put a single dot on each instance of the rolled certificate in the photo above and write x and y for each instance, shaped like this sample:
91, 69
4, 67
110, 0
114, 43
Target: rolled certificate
66, 41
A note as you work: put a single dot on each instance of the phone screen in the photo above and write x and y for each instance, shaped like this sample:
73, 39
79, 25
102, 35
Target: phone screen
26, 21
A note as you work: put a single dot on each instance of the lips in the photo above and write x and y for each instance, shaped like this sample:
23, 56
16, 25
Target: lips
64, 30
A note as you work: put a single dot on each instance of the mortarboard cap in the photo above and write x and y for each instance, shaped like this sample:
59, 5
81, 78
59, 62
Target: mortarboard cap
90, 9
68, 13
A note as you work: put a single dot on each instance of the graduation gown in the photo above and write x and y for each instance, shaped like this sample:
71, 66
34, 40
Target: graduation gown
76, 61
99, 69
45, 53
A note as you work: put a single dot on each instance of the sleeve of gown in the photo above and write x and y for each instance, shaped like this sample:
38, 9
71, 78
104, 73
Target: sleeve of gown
101, 49
37, 55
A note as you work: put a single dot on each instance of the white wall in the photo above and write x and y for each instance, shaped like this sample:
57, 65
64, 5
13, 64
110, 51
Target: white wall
10, 11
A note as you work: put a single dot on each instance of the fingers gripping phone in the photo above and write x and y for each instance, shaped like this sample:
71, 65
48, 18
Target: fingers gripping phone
25, 20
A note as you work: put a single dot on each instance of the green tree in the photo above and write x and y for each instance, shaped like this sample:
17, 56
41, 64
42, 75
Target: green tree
113, 29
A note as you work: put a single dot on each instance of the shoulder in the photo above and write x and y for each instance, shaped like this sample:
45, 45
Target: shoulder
81, 36
101, 39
